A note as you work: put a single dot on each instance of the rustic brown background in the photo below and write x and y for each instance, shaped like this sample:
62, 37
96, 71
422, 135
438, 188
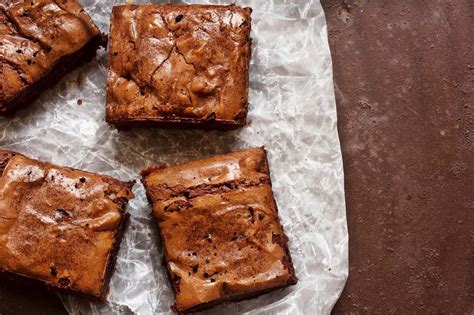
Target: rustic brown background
404, 78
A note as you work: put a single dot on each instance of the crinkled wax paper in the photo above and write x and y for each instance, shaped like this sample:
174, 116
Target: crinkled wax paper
292, 112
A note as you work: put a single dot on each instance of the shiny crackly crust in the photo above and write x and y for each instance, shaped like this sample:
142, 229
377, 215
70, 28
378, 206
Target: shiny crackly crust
220, 229
41, 40
59, 226
178, 66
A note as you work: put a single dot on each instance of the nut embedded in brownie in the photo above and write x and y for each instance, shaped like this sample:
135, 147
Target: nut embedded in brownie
40, 41
220, 230
60, 226
178, 66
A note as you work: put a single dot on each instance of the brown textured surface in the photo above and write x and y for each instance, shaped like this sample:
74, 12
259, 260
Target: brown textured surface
220, 229
404, 77
50, 214
41, 39
178, 65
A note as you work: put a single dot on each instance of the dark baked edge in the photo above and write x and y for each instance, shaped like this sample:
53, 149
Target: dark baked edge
112, 259
188, 123
235, 298
5, 156
65, 65
282, 240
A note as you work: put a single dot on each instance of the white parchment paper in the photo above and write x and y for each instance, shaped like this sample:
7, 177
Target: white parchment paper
292, 112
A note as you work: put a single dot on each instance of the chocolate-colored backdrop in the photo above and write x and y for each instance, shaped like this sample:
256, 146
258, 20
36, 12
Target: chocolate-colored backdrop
404, 78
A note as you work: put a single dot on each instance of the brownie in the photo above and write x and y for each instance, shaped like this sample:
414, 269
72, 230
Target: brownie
178, 66
220, 230
40, 41
59, 226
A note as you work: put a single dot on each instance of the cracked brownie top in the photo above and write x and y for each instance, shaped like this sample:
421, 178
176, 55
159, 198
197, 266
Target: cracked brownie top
59, 225
174, 64
34, 36
221, 234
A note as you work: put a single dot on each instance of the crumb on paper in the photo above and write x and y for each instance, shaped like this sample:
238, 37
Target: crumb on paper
79, 102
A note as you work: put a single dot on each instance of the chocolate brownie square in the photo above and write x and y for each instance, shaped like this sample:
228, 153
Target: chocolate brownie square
40, 41
178, 66
220, 230
60, 226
